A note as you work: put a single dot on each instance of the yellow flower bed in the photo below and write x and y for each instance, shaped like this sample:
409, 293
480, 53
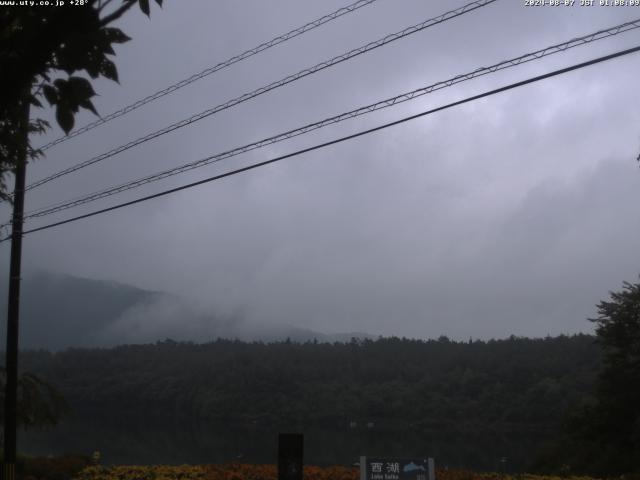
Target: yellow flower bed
469, 475
268, 472
210, 472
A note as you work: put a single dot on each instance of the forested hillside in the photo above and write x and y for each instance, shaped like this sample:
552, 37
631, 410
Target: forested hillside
516, 384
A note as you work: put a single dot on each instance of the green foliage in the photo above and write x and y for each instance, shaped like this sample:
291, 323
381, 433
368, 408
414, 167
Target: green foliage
602, 437
618, 331
516, 387
39, 403
38, 44
615, 419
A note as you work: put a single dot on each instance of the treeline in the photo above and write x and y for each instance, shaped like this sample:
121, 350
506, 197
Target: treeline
514, 385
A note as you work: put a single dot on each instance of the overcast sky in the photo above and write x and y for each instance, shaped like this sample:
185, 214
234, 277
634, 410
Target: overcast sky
515, 214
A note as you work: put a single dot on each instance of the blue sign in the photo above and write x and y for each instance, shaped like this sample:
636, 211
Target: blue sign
383, 468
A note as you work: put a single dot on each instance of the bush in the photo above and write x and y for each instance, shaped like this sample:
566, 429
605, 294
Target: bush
51, 468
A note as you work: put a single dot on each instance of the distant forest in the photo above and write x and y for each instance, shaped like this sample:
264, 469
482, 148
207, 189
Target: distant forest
514, 385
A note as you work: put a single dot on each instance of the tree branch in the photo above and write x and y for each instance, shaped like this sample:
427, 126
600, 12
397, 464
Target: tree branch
118, 13
102, 5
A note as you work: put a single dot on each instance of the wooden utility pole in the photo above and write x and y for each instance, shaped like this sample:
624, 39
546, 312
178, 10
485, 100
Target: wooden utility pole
13, 314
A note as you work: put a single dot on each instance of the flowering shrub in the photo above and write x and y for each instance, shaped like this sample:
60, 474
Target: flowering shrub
268, 472
184, 472
469, 475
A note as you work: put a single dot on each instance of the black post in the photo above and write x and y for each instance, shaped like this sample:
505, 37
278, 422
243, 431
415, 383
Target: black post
290, 454
11, 387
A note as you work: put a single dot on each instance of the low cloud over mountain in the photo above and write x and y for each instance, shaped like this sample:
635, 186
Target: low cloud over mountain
60, 311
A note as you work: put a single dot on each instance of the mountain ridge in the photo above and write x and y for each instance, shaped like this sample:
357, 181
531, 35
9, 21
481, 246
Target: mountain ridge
72, 311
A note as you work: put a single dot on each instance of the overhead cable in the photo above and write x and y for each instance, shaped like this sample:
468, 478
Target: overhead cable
561, 47
338, 140
210, 70
285, 81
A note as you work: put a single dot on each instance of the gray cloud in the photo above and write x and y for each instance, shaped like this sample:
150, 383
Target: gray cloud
514, 214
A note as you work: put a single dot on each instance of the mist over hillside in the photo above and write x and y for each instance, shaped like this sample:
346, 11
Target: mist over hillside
60, 311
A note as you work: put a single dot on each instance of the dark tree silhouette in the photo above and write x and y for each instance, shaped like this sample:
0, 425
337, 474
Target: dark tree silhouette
39, 403
602, 437
616, 418
40, 43
41, 48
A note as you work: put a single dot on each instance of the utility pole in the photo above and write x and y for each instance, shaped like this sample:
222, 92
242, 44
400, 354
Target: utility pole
11, 386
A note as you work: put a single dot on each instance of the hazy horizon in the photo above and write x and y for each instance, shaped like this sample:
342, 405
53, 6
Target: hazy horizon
513, 215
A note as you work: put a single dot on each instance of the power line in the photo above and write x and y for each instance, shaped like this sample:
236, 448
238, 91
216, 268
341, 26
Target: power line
208, 71
291, 78
561, 47
340, 140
